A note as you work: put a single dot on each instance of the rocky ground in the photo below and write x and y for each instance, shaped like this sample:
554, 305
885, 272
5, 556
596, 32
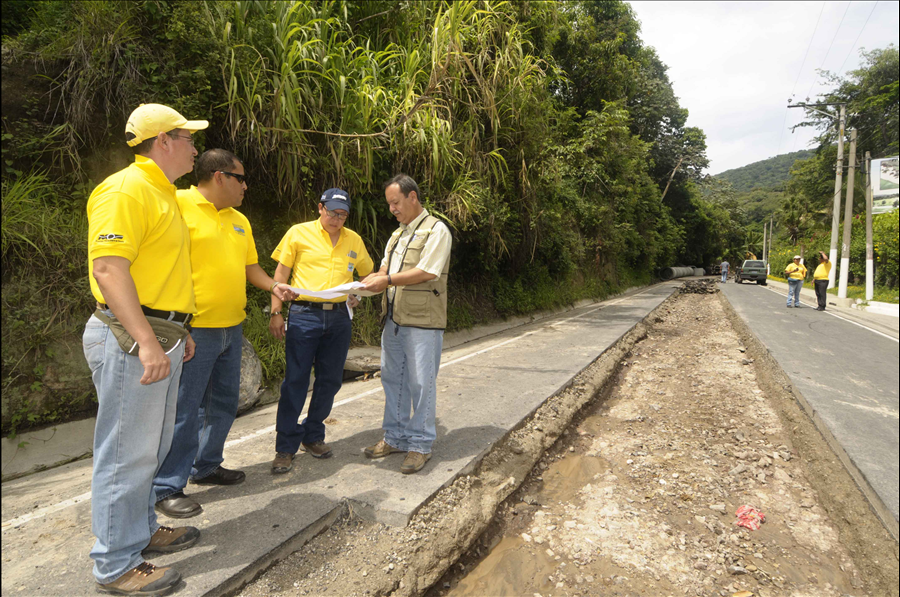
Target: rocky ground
635, 496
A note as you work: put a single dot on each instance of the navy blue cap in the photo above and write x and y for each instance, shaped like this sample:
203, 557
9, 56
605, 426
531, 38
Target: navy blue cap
335, 199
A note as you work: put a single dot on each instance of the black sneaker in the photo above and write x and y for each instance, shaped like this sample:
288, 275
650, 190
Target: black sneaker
221, 476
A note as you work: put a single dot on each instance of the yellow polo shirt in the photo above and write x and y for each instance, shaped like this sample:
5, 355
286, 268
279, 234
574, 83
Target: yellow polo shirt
133, 214
822, 270
315, 264
221, 249
795, 271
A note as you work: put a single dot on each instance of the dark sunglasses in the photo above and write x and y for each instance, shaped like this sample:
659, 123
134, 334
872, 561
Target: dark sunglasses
241, 178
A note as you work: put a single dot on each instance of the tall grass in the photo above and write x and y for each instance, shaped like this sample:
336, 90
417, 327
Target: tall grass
39, 232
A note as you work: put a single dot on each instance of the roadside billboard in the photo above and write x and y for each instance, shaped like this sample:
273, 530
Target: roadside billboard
885, 184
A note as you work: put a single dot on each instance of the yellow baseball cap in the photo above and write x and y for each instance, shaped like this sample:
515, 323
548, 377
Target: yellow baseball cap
149, 120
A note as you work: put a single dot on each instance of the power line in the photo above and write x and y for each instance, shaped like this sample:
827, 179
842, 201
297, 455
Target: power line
816, 79
800, 72
841, 70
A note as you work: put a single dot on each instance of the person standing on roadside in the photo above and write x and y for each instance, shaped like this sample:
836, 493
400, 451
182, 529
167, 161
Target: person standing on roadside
315, 256
135, 343
796, 273
414, 271
724, 267
820, 280
224, 259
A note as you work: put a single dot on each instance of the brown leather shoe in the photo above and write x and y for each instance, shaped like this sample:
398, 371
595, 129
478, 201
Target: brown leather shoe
143, 579
169, 540
414, 462
317, 449
283, 463
380, 450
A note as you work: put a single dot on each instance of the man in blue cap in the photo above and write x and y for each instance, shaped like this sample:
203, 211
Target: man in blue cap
314, 255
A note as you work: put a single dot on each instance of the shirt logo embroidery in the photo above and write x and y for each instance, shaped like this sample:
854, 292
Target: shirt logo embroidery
238, 229
350, 267
352, 254
113, 238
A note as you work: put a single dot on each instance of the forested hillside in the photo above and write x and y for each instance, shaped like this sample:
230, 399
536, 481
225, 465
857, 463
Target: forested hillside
544, 133
770, 173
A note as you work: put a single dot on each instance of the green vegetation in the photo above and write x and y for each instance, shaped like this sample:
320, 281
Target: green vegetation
770, 173
546, 134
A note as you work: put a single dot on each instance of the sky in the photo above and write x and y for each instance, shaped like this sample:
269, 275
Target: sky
734, 65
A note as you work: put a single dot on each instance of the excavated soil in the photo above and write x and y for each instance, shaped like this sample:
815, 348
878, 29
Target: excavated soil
627, 483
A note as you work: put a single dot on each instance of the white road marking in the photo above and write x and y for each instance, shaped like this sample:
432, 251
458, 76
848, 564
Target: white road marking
827, 312
884, 412
41, 512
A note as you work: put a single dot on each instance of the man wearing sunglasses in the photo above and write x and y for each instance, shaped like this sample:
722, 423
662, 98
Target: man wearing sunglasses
223, 260
315, 255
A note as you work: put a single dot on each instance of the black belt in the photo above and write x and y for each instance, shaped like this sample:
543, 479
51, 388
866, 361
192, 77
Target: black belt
175, 316
322, 306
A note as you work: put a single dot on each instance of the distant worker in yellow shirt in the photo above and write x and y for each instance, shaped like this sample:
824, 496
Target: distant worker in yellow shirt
223, 259
316, 256
796, 273
820, 280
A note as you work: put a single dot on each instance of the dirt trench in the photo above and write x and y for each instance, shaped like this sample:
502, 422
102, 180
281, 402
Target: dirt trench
627, 483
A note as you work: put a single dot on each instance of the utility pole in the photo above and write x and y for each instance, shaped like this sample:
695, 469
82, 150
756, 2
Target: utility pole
771, 234
870, 252
836, 211
838, 175
848, 219
765, 230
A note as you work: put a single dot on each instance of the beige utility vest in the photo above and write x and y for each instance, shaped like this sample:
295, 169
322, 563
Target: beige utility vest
421, 305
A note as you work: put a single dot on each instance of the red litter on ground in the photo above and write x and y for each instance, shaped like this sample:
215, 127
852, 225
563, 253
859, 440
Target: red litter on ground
749, 517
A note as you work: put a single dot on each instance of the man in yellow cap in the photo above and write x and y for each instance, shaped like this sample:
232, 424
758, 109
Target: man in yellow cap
135, 343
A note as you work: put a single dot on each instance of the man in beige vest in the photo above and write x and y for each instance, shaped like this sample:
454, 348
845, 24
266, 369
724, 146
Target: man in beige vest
414, 272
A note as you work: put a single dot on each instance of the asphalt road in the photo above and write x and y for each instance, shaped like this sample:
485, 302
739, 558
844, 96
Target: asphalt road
847, 373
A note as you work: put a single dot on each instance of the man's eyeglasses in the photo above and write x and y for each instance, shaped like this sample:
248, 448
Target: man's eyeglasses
241, 178
187, 138
337, 215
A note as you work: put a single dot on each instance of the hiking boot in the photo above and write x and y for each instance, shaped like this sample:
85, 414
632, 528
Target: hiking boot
178, 505
380, 450
221, 476
143, 579
414, 462
317, 449
283, 463
169, 540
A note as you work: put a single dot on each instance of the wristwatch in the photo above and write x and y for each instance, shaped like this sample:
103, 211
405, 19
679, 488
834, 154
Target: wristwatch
274, 313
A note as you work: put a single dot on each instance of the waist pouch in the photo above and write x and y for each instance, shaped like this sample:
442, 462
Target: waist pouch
168, 334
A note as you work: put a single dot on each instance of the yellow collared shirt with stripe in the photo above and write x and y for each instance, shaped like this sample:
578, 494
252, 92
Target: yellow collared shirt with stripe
134, 214
316, 264
222, 247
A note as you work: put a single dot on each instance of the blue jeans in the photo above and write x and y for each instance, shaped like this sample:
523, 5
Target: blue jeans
314, 337
134, 430
410, 360
207, 404
724, 275
794, 287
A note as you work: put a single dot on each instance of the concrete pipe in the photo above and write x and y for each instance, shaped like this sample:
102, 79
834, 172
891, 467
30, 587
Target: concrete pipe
699, 271
670, 273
